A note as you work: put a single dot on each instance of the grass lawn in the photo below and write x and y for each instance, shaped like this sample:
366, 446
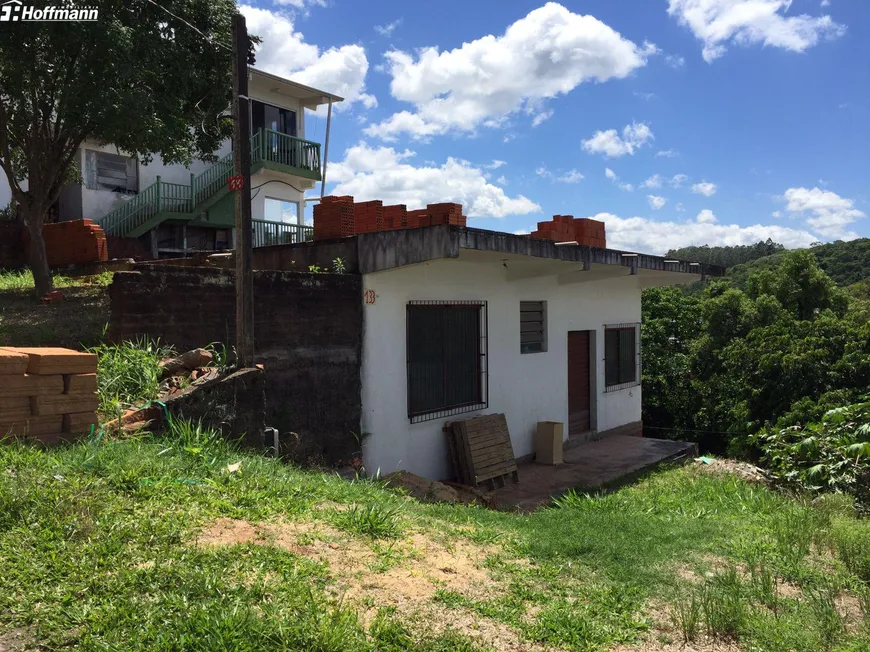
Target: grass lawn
76, 321
183, 542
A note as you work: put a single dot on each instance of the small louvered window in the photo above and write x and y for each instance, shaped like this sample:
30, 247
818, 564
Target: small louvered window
533, 326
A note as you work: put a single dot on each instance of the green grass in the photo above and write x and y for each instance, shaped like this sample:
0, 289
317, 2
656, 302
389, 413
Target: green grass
97, 551
129, 373
76, 321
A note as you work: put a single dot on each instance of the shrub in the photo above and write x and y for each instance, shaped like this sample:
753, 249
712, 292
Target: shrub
832, 454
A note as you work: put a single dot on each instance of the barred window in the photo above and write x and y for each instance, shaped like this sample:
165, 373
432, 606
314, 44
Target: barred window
447, 363
533, 326
621, 356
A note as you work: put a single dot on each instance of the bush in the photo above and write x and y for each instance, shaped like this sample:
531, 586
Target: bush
832, 454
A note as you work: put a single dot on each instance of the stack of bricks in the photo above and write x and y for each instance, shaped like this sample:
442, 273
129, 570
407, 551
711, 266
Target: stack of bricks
395, 217
75, 242
368, 216
333, 218
565, 228
48, 395
339, 217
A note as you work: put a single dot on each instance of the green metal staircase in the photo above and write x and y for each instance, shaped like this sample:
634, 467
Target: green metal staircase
163, 201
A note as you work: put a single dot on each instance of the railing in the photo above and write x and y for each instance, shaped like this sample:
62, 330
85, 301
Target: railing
287, 150
163, 197
273, 233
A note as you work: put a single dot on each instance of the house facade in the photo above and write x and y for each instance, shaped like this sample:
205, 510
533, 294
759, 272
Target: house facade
460, 322
175, 209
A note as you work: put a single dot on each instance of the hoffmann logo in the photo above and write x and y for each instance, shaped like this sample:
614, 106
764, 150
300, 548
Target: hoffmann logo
15, 10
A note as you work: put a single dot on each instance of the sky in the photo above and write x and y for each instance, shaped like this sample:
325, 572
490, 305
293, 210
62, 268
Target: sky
676, 122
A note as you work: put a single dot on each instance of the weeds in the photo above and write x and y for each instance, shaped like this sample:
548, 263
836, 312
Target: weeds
128, 373
851, 540
377, 520
723, 604
686, 616
823, 603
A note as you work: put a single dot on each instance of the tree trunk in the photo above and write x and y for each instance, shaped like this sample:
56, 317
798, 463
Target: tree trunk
36, 256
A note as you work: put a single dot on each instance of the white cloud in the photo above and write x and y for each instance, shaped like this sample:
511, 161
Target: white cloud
747, 22
679, 207
543, 115
678, 180
705, 188
389, 28
284, 52
522, 232
667, 153
776, 214
495, 165
826, 3
644, 96
610, 144
656, 203
675, 62
830, 214
502, 180
300, 4
572, 176
706, 216
543, 55
652, 236
655, 181
610, 174
370, 173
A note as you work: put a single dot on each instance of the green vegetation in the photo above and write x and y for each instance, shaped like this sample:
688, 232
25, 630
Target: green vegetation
78, 320
727, 256
183, 541
729, 362
129, 373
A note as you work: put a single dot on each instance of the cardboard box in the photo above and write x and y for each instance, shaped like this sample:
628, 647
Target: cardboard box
548, 443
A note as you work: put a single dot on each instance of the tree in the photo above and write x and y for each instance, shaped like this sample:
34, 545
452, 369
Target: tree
137, 78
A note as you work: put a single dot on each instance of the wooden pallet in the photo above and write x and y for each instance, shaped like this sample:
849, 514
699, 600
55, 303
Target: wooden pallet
481, 450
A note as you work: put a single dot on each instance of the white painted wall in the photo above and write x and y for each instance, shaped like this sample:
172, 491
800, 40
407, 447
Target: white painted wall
527, 388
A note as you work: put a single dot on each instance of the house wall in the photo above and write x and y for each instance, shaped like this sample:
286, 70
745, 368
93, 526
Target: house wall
527, 388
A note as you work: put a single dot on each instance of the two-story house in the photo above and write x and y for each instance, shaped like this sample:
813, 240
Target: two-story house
174, 209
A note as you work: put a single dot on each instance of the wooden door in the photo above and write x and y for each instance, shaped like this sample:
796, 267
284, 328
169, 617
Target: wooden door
579, 385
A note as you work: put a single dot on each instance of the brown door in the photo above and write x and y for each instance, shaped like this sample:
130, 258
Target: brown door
579, 388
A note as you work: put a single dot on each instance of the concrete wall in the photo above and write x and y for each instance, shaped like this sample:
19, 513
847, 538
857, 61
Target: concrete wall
308, 331
526, 387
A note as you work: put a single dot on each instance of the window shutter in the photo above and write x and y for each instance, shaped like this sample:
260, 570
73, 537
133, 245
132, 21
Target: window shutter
533, 325
611, 357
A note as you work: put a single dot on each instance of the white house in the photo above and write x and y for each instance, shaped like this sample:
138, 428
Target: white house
460, 322
174, 208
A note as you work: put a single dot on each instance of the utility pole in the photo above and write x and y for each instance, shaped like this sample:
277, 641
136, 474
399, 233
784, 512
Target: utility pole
242, 168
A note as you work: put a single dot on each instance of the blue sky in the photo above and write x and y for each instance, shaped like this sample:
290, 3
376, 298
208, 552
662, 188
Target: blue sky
677, 122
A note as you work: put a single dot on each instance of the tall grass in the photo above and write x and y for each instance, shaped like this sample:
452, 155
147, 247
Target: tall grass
129, 373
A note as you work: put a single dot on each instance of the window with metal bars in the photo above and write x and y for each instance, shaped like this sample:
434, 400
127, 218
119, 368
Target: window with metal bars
447, 358
533, 326
621, 356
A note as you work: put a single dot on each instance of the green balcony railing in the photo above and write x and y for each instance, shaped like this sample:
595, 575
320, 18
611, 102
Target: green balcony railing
268, 148
274, 233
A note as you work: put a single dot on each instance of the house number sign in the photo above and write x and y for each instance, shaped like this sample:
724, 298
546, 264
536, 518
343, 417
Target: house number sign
236, 183
370, 297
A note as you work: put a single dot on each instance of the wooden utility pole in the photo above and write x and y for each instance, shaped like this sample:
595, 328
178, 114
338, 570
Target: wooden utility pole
242, 168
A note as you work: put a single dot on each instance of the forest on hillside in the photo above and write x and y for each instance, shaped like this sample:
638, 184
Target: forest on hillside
770, 364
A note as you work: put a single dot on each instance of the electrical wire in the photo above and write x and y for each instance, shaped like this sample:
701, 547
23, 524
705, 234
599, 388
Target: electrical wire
205, 36
266, 183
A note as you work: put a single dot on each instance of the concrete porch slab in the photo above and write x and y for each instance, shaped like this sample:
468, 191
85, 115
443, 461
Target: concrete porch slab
587, 467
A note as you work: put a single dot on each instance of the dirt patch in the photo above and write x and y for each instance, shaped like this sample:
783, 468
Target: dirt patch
389, 573
744, 470
16, 640
704, 644
431, 491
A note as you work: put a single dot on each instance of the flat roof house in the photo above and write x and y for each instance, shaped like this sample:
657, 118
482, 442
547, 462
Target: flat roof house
459, 322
